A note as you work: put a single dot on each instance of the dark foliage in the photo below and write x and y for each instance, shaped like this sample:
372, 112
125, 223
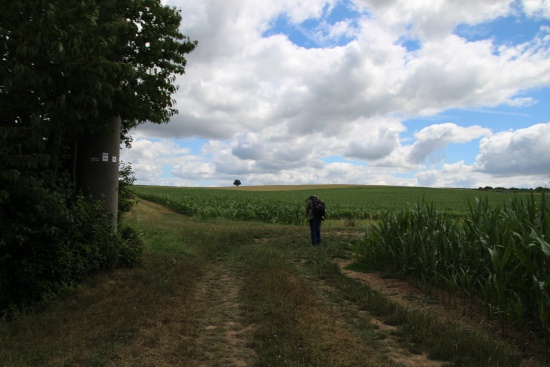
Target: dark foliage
50, 240
126, 198
65, 69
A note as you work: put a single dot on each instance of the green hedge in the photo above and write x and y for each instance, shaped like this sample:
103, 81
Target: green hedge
52, 239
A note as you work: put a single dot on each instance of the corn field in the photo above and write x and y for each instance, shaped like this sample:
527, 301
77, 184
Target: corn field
499, 254
239, 206
287, 207
491, 247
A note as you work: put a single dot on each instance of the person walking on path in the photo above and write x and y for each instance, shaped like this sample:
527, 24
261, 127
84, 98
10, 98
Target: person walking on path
315, 211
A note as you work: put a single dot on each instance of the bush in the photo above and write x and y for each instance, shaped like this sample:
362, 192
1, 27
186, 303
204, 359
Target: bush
126, 198
52, 239
131, 247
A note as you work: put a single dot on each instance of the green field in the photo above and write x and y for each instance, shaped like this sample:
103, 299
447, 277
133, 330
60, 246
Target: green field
285, 204
482, 245
227, 284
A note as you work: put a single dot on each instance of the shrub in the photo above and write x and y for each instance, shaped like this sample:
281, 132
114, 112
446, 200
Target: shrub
126, 198
52, 239
131, 247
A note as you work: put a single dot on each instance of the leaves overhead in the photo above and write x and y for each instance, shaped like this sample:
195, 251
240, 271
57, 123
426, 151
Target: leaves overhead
71, 64
66, 68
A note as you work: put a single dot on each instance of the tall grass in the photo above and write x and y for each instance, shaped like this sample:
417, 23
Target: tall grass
500, 254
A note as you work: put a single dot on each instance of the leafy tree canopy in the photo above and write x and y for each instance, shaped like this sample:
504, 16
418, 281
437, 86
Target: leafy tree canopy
68, 65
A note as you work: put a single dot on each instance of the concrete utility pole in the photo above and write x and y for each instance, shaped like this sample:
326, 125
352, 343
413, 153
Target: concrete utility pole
97, 167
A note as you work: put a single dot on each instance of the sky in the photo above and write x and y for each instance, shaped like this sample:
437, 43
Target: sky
431, 93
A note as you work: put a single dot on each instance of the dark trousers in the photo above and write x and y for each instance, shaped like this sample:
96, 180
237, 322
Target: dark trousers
315, 227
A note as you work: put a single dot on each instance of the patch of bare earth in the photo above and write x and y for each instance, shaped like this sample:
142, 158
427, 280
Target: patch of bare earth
222, 338
410, 296
392, 348
407, 295
397, 353
199, 328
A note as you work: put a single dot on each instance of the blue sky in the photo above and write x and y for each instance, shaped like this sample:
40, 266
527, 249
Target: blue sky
452, 93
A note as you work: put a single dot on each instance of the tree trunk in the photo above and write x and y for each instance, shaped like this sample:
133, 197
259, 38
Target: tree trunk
97, 167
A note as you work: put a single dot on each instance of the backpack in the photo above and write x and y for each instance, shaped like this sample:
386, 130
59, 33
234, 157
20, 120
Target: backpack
317, 207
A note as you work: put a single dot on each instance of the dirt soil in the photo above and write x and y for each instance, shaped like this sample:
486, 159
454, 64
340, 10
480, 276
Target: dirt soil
204, 330
207, 328
412, 297
446, 307
408, 295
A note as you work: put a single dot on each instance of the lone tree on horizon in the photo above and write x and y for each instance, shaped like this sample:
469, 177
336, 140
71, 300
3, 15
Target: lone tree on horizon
236, 183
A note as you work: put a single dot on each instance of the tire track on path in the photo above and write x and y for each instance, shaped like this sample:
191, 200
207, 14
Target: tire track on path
222, 338
200, 323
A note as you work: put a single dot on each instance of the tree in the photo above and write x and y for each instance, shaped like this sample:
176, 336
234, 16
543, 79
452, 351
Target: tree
72, 70
126, 198
236, 183
75, 78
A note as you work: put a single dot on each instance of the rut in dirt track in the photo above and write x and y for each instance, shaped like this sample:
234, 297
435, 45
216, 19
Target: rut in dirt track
222, 338
199, 325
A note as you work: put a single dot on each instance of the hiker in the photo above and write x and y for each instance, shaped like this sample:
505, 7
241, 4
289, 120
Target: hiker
315, 211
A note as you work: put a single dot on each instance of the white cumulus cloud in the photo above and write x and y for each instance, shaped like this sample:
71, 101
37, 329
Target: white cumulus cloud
274, 111
520, 152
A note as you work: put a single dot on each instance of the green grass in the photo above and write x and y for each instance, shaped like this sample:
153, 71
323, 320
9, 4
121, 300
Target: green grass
297, 306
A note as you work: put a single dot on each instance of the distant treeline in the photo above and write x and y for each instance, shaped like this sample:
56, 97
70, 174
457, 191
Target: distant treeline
538, 189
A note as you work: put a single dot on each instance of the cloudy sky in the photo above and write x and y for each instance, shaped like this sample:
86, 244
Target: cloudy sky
439, 93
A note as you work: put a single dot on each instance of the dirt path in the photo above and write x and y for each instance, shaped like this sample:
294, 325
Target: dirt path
208, 325
394, 350
199, 327
221, 335
411, 296
203, 324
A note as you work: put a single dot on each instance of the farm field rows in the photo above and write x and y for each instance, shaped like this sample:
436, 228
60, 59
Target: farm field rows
285, 204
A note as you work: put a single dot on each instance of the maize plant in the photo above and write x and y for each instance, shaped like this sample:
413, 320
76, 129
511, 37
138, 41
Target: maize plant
498, 253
